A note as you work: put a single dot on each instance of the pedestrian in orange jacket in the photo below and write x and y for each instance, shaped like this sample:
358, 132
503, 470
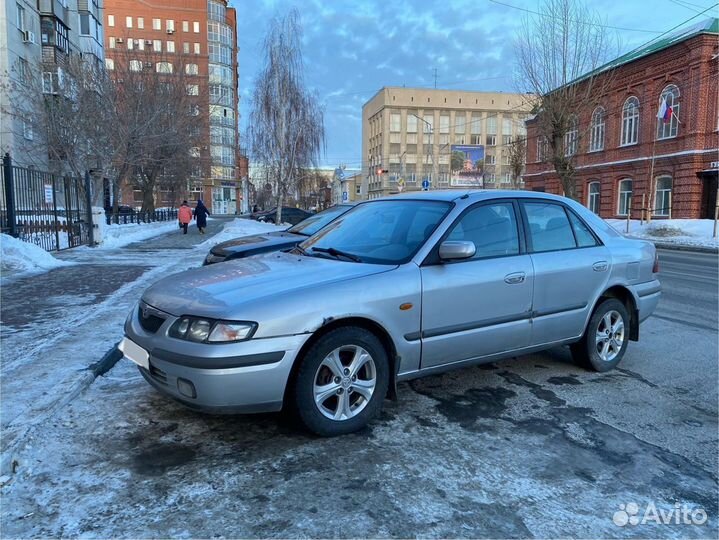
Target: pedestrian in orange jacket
184, 214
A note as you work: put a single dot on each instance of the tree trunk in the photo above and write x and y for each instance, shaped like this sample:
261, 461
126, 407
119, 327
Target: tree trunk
148, 200
278, 215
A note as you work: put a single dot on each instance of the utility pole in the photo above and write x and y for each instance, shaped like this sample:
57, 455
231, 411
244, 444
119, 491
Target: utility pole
435, 78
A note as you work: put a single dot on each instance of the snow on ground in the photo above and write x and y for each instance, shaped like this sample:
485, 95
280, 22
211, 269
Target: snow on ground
115, 236
19, 256
242, 227
686, 232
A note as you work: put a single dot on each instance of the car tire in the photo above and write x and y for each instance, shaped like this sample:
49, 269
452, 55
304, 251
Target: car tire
352, 408
605, 340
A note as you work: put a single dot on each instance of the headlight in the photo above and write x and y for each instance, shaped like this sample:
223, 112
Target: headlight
211, 331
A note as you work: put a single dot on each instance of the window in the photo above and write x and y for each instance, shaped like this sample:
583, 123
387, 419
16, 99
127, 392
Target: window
506, 140
185, 26
395, 122
169, 25
156, 24
444, 123
596, 133
112, 42
110, 20
411, 123
625, 197
109, 63
630, 122
491, 227
193, 90
128, 22
491, 140
196, 27
593, 197
186, 48
460, 123
27, 130
171, 46
428, 128
542, 148
549, 228
191, 69
140, 44
582, 234
141, 23
476, 127
157, 45
668, 126
506, 126
130, 44
492, 125
490, 159
23, 70
163, 67
571, 137
135, 65
663, 196
197, 48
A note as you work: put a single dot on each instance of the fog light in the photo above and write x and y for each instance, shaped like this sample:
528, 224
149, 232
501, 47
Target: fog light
186, 388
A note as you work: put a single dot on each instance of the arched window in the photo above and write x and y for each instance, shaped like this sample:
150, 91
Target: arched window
663, 196
625, 196
596, 135
630, 122
164, 67
593, 197
571, 137
668, 126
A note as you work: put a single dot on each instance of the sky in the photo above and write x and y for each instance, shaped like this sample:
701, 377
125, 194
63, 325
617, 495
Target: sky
352, 48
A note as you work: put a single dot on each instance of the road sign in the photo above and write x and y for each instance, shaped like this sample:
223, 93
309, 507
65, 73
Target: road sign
345, 196
340, 173
425, 184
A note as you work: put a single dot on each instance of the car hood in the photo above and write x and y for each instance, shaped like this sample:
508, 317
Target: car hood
225, 290
246, 243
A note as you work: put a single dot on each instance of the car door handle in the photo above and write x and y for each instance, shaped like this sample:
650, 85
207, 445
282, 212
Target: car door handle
600, 266
516, 277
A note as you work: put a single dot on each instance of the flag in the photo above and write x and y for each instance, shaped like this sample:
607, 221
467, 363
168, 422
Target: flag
665, 111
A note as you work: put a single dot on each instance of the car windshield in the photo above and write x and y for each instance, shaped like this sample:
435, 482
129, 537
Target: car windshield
314, 223
381, 232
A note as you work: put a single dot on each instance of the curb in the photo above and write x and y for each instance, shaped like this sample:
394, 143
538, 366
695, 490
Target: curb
73, 388
680, 247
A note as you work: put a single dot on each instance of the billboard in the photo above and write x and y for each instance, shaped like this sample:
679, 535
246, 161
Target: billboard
467, 165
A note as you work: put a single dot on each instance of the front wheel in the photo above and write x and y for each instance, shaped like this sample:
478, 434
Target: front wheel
342, 382
606, 337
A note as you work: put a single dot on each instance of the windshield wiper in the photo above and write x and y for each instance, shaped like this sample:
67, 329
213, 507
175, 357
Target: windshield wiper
337, 253
301, 250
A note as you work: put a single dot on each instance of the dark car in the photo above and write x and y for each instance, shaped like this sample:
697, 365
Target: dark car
245, 246
289, 215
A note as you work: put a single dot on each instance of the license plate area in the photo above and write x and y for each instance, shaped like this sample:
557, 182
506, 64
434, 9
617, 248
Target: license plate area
133, 352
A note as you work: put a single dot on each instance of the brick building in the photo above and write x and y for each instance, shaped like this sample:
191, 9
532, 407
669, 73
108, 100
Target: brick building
201, 34
620, 141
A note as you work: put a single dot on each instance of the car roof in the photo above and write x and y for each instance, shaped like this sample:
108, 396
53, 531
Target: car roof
473, 195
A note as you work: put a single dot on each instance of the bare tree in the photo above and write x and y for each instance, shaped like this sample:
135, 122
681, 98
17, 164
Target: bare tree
287, 122
517, 158
559, 53
156, 123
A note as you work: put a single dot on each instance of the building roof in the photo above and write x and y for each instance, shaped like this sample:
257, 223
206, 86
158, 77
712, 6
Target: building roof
707, 26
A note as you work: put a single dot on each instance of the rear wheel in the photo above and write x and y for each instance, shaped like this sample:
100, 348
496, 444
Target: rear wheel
341, 382
606, 338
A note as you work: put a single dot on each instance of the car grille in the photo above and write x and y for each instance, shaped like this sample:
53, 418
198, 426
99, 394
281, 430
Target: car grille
150, 321
159, 375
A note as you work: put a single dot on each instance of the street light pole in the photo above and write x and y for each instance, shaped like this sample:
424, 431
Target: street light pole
431, 134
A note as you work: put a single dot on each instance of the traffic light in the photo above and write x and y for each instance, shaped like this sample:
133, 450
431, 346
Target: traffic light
381, 171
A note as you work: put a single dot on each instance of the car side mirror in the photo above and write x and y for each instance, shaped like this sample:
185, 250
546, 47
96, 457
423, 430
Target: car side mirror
456, 249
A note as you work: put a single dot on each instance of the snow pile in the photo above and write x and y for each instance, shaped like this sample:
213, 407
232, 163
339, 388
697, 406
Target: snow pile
686, 232
242, 227
19, 256
115, 236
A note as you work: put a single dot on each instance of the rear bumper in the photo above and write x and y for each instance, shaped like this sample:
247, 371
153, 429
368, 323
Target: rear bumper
647, 296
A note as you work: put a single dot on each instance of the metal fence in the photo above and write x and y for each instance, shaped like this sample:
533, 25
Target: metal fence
51, 211
123, 218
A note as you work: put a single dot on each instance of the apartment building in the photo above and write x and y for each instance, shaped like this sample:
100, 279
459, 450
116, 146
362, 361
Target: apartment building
418, 138
38, 38
201, 35
627, 159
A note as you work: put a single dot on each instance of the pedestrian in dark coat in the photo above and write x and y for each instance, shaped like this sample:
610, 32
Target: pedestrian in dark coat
201, 212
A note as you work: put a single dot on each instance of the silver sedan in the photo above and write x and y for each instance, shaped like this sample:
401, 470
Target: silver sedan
395, 289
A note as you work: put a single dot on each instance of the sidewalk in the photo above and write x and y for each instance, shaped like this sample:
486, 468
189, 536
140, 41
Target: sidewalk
57, 324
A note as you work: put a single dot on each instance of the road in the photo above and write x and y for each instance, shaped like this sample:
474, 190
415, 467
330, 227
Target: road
529, 447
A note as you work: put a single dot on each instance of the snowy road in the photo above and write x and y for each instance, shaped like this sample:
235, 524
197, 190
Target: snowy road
527, 447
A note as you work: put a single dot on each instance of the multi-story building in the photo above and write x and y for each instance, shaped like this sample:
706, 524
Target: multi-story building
201, 34
627, 159
37, 39
418, 138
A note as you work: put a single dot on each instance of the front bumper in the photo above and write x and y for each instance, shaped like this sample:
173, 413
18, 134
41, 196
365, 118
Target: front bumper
249, 376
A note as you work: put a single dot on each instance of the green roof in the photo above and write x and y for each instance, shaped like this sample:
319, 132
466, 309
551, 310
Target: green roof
707, 26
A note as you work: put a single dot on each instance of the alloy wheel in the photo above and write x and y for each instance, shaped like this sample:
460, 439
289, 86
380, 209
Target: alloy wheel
610, 336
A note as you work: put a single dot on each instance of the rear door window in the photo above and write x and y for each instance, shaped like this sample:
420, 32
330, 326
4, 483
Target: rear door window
549, 227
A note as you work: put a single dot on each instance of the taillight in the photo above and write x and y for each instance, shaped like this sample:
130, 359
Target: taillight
655, 268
